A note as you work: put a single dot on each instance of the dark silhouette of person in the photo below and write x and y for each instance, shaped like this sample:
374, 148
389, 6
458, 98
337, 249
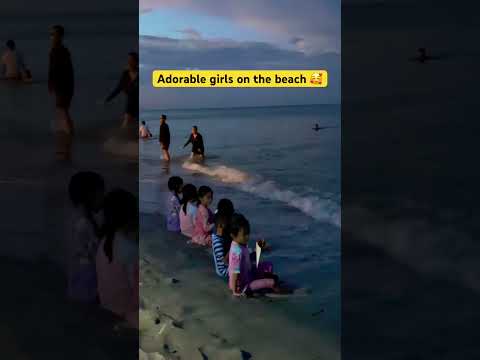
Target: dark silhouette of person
164, 137
61, 86
129, 85
196, 139
423, 57
317, 127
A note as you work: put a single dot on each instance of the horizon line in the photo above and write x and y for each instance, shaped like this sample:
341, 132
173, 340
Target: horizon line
235, 107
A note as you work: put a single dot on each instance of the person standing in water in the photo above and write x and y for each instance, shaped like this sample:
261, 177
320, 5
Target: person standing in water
196, 139
129, 85
10, 65
164, 137
13, 64
144, 131
61, 86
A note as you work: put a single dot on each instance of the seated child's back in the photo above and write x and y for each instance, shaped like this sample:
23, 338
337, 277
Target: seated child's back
175, 185
188, 210
220, 256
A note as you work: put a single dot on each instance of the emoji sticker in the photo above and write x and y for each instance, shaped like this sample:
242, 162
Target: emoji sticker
316, 79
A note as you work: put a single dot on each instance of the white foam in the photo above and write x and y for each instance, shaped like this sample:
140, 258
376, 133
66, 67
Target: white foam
320, 209
222, 173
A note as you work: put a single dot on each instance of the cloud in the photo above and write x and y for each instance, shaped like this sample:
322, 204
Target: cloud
169, 53
190, 33
318, 21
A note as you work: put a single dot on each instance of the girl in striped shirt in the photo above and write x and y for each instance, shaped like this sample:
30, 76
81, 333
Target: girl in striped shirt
220, 245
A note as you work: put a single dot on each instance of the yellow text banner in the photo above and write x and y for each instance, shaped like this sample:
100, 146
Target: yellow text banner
239, 78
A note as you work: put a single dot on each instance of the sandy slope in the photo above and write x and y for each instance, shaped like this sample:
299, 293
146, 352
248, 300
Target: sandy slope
195, 317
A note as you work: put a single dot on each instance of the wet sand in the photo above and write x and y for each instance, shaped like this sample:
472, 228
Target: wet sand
187, 312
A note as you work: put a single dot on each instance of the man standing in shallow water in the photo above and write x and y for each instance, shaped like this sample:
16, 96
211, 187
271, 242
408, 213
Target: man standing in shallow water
164, 137
60, 85
196, 140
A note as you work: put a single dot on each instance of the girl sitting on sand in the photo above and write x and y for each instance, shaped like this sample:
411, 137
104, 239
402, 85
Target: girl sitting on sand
86, 190
225, 206
188, 209
243, 278
203, 225
220, 237
117, 257
175, 185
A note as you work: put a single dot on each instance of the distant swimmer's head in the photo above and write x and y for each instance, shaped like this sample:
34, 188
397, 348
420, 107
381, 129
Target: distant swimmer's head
10, 45
163, 119
205, 196
239, 229
194, 130
175, 184
57, 32
87, 190
133, 61
225, 207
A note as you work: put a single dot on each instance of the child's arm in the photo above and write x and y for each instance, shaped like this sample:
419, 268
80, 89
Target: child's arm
234, 266
236, 291
263, 245
207, 226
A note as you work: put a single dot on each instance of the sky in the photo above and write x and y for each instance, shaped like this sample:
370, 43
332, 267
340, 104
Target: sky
232, 34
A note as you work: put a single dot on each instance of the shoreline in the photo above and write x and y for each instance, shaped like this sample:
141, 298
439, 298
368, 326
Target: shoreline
187, 311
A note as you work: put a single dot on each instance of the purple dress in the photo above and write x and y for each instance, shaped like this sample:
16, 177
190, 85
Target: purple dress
173, 213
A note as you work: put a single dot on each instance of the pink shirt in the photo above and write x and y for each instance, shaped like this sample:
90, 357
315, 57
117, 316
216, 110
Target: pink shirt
203, 226
187, 221
117, 285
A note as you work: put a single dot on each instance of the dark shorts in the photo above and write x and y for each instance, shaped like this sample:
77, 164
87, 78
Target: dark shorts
165, 146
63, 101
131, 108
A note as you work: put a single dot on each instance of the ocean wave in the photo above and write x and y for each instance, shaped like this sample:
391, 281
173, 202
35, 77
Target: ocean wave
222, 173
321, 209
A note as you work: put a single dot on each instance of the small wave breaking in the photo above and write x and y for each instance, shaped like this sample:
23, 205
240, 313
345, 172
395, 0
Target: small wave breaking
326, 210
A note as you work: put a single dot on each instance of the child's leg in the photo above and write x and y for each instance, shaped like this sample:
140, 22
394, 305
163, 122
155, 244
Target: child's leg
262, 284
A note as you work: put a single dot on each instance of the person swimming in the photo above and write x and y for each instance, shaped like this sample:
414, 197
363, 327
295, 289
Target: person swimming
423, 57
317, 127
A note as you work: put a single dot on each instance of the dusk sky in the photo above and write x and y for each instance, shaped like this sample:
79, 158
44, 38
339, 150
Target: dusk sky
232, 34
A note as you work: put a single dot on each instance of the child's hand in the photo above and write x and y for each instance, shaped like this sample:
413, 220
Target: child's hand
263, 245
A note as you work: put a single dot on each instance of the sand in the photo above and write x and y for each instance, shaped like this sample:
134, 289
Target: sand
188, 313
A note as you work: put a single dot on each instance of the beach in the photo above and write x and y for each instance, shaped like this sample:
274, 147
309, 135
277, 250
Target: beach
187, 312
258, 167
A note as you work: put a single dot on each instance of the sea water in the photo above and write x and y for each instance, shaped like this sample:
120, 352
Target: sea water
280, 173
